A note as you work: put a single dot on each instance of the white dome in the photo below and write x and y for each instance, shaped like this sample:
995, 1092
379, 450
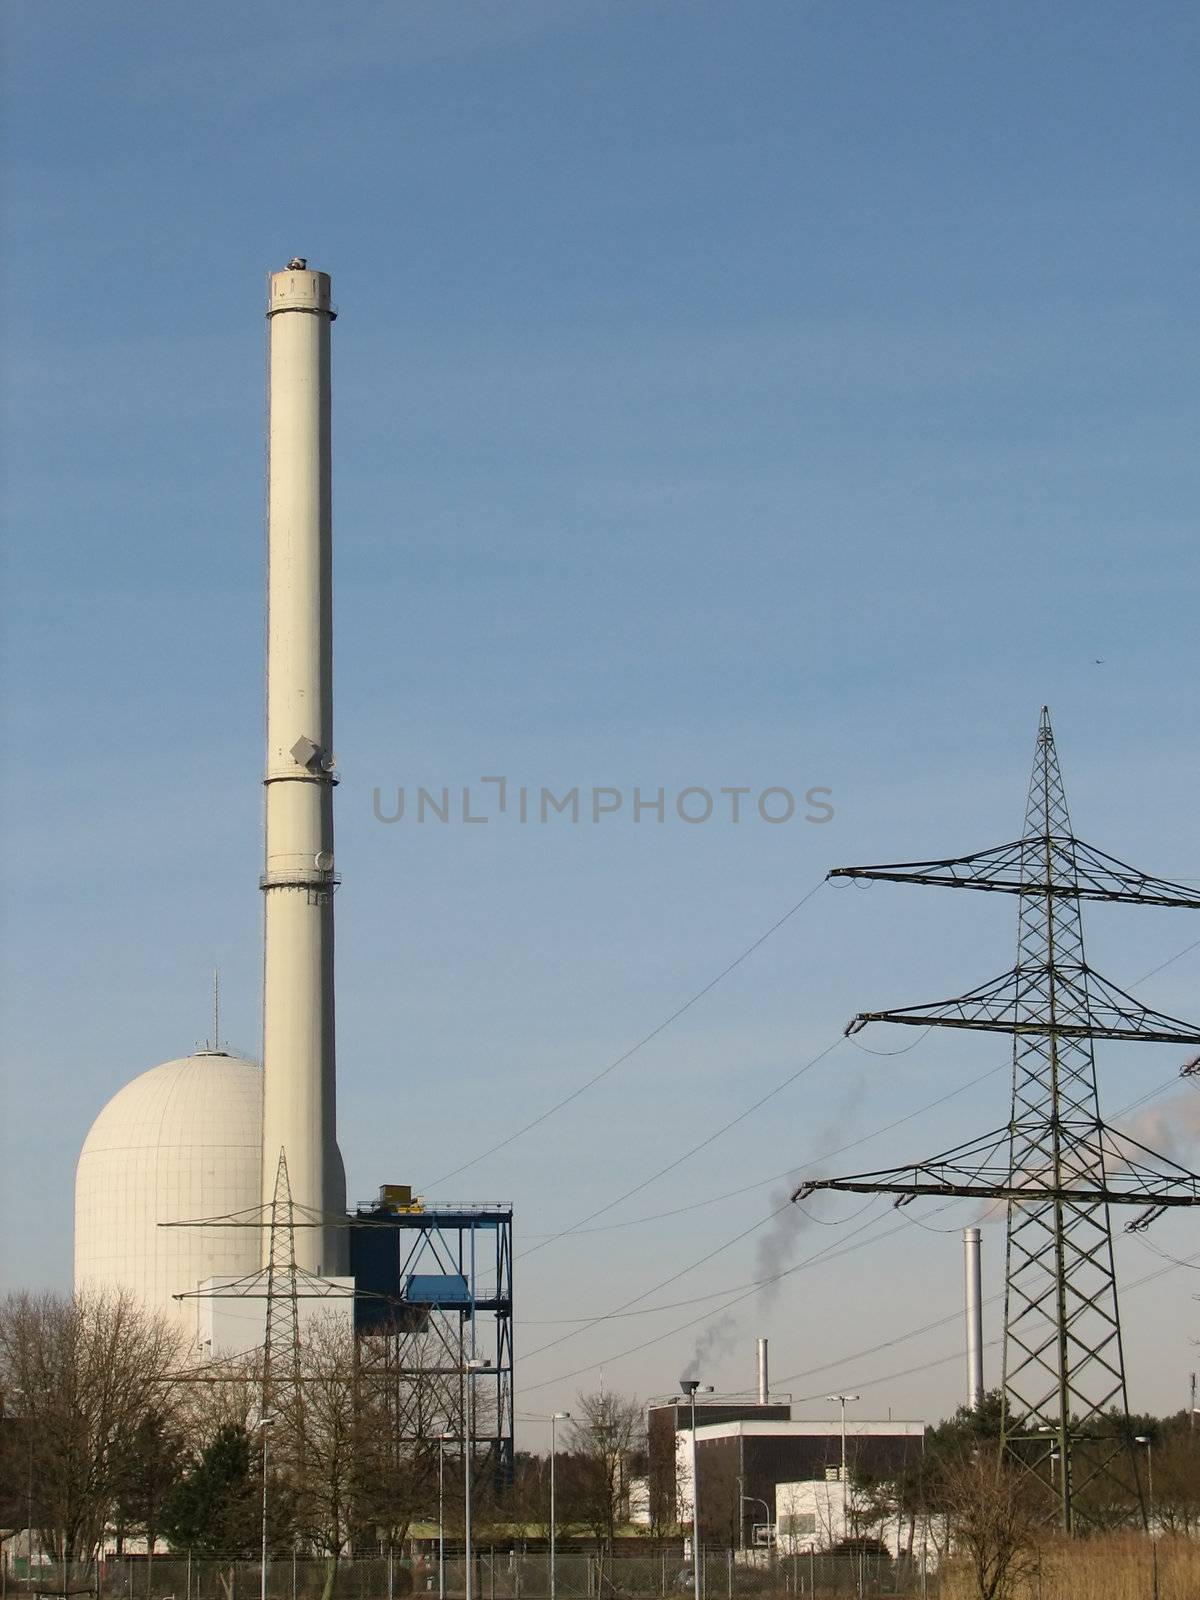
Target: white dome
180, 1142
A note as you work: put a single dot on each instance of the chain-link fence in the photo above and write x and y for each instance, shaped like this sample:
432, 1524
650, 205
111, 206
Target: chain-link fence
497, 1574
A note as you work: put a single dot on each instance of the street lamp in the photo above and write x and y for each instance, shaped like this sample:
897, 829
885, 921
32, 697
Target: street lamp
690, 1387
555, 1416
843, 1400
1143, 1438
443, 1440
264, 1422
470, 1368
753, 1500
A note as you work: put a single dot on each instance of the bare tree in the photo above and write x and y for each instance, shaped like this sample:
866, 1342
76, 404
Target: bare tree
529, 1497
395, 1451
316, 1441
1177, 1478
606, 1434
994, 1519
84, 1374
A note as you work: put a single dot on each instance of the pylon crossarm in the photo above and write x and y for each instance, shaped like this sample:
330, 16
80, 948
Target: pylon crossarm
1088, 1006
1105, 1168
251, 1217
1020, 1194
1104, 877
1004, 869
1120, 1148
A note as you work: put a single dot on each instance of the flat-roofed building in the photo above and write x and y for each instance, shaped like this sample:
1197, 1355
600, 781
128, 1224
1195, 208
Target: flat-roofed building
742, 1462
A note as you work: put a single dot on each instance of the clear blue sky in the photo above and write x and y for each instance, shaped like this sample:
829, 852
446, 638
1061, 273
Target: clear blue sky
726, 394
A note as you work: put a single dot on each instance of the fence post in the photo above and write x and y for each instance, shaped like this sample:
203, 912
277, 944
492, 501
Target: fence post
729, 1572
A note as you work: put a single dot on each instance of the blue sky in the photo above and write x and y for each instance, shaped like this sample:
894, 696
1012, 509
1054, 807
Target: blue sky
726, 394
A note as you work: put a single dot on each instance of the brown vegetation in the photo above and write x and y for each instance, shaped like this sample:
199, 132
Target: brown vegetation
1113, 1566
88, 1378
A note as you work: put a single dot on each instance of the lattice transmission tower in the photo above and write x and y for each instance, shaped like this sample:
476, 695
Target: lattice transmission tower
1057, 1165
282, 1387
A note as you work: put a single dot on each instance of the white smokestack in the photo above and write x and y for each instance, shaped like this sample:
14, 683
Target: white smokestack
298, 1024
764, 1386
974, 1305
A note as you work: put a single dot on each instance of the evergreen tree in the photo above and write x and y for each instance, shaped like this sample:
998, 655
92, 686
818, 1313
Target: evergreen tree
215, 1508
146, 1471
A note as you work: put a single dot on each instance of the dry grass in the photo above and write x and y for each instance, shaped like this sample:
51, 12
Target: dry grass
1115, 1566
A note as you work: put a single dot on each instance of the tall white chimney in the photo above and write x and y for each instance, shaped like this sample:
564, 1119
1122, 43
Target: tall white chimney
974, 1307
299, 1114
764, 1386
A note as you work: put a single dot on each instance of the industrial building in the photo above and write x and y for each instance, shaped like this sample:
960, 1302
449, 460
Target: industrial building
748, 1450
186, 1168
755, 1458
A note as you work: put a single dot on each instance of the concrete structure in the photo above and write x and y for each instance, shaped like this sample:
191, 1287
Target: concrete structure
750, 1458
299, 1101
181, 1141
669, 1418
201, 1137
809, 1516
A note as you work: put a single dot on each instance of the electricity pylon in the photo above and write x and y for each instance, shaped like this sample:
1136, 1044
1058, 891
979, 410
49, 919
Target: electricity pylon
1057, 1165
281, 1381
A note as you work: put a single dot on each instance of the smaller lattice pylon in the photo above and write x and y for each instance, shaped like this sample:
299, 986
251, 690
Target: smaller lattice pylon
281, 1385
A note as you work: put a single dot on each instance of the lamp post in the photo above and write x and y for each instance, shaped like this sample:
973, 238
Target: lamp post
470, 1368
843, 1400
264, 1422
1145, 1439
690, 1387
555, 1416
443, 1440
752, 1500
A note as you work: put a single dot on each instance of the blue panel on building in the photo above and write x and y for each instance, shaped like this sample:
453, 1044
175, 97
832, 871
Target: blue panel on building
437, 1289
375, 1263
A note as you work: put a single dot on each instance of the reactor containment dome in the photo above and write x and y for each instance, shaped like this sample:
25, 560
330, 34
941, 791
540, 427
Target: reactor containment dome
180, 1143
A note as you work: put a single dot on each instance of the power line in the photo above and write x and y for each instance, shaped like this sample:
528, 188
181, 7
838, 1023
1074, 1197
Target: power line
822, 1257
696, 1205
688, 1154
864, 1383
1178, 956
887, 1344
826, 1155
830, 1253
957, 1355
622, 1310
633, 1049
